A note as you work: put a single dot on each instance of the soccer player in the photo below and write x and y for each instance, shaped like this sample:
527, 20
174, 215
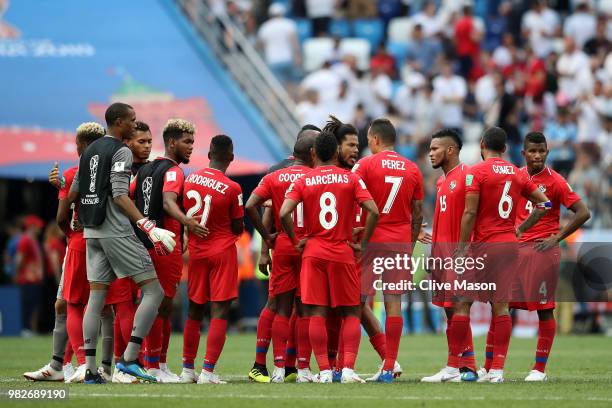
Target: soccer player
158, 195
348, 153
213, 265
285, 274
73, 290
105, 210
539, 265
140, 143
493, 186
396, 185
328, 276
298, 327
444, 152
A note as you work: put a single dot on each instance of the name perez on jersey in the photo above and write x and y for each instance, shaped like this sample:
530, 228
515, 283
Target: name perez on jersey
207, 182
393, 164
327, 179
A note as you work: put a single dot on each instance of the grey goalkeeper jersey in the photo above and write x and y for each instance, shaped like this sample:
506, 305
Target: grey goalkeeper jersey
116, 224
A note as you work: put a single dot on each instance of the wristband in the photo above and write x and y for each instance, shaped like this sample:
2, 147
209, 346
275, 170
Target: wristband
546, 205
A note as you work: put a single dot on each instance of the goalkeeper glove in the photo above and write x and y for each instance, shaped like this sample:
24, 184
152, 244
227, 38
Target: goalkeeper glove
162, 239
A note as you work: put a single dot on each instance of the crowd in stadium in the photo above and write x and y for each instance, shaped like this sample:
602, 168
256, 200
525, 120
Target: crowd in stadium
520, 65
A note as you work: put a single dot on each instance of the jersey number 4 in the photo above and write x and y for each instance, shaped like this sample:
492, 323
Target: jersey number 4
194, 195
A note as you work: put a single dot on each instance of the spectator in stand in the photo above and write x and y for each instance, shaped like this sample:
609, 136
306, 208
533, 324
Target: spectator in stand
497, 27
422, 52
449, 91
428, 20
381, 89
485, 91
29, 267
279, 40
383, 61
600, 43
345, 106
320, 12
388, 9
561, 134
503, 55
569, 66
406, 100
587, 179
540, 26
311, 110
535, 86
326, 82
590, 107
356, 9
55, 250
468, 33
13, 234
362, 122
580, 25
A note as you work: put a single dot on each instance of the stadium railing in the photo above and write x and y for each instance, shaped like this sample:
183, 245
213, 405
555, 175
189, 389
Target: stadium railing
246, 67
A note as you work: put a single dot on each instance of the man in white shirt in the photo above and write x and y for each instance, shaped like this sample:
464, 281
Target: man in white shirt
569, 67
449, 91
540, 25
428, 19
326, 82
321, 13
381, 88
310, 110
279, 40
581, 25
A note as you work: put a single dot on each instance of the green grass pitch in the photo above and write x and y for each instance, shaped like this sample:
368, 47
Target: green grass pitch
580, 371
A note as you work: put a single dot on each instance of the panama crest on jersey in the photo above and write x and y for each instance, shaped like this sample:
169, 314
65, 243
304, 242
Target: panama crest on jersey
542, 188
452, 185
93, 168
147, 186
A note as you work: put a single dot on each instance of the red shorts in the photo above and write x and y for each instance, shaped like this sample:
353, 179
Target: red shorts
76, 285
537, 275
121, 290
169, 269
214, 278
285, 275
329, 283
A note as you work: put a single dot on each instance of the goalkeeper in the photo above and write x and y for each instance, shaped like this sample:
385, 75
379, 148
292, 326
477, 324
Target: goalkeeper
113, 251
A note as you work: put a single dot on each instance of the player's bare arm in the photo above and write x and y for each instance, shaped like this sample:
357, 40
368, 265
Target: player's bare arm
468, 219
370, 223
417, 220
287, 222
172, 208
237, 226
63, 216
251, 208
541, 205
265, 260
580, 216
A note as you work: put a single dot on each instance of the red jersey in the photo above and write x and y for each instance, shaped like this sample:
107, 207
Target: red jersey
273, 187
394, 182
464, 30
329, 194
500, 185
558, 192
173, 183
218, 200
75, 238
450, 203
31, 269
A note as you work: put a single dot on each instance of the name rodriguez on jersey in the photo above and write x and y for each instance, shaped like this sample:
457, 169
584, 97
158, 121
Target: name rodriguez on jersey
433, 285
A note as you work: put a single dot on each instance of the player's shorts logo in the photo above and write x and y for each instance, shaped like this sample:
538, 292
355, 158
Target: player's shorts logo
147, 185
93, 168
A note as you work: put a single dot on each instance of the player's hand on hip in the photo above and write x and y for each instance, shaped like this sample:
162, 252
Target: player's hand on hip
265, 263
548, 243
163, 240
193, 225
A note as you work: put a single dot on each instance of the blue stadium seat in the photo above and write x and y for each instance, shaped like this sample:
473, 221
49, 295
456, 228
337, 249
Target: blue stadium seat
340, 28
370, 30
399, 51
304, 27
